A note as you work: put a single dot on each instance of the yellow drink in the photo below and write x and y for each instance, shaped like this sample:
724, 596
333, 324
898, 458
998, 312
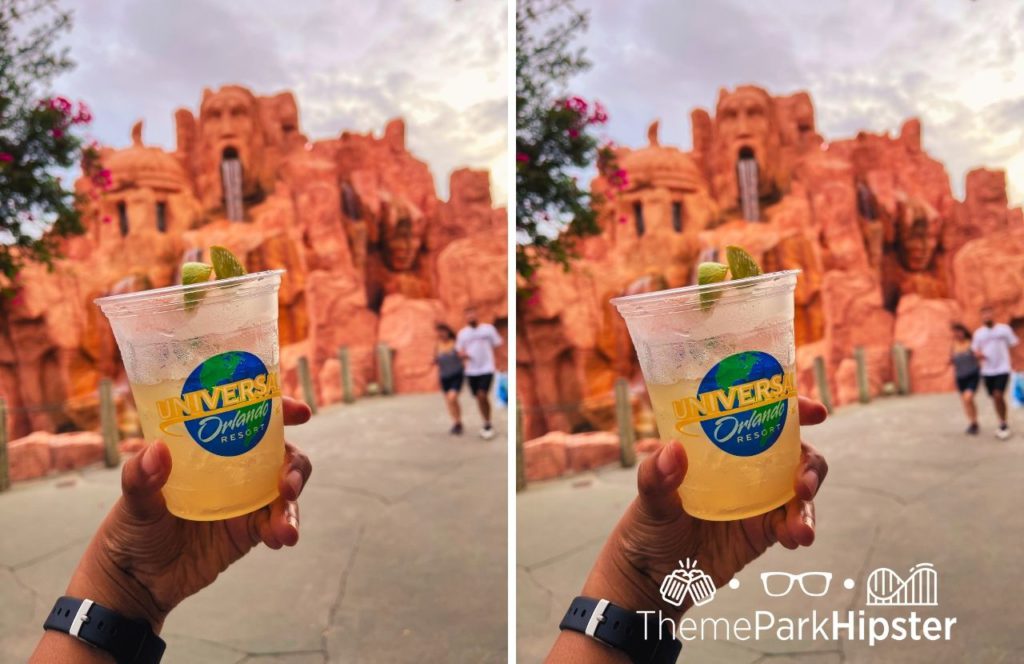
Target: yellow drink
203, 485
718, 361
202, 362
715, 478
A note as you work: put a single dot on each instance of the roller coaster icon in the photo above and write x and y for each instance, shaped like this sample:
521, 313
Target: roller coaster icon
920, 588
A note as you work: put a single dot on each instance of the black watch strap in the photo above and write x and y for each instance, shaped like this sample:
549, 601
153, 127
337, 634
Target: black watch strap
638, 636
128, 641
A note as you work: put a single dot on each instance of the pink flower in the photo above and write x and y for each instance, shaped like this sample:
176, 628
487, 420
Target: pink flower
106, 219
622, 219
574, 132
57, 132
522, 157
84, 115
6, 156
61, 104
599, 116
103, 179
577, 104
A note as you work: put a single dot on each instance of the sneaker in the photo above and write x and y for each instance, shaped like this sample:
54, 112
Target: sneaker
487, 432
972, 430
456, 429
1004, 432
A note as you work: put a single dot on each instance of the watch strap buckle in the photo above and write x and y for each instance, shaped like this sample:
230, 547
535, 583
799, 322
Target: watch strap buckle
81, 617
596, 618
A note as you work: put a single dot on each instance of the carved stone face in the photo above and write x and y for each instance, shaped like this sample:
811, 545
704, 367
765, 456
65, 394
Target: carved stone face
403, 228
228, 125
919, 229
745, 124
743, 119
798, 121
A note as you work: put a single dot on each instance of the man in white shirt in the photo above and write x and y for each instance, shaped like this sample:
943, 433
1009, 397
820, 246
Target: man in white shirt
992, 342
475, 343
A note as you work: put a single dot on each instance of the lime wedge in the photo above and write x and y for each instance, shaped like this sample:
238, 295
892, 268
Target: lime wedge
194, 273
710, 273
741, 264
225, 265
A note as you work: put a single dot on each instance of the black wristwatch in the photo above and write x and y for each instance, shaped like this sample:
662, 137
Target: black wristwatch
128, 641
638, 636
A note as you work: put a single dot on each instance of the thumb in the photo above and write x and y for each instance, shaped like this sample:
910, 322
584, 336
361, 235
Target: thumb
141, 480
658, 480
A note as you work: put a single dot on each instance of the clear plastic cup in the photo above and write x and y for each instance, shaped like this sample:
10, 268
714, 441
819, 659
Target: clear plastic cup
719, 363
202, 361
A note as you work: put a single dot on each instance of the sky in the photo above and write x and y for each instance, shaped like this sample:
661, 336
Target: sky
868, 65
440, 64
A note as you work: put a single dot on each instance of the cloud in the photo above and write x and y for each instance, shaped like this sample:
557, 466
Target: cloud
440, 64
957, 65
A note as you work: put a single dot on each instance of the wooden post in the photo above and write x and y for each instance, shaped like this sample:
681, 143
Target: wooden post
863, 390
901, 365
5, 473
520, 460
347, 391
387, 385
624, 416
819, 375
306, 380
108, 424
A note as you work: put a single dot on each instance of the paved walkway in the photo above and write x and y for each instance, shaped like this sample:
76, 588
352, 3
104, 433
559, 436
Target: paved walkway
402, 556
904, 487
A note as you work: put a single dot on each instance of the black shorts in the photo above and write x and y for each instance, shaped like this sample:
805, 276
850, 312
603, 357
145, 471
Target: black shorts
996, 383
480, 383
968, 382
452, 383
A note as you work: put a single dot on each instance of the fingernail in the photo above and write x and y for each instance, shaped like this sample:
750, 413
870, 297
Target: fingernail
807, 514
294, 480
150, 461
293, 522
812, 480
667, 463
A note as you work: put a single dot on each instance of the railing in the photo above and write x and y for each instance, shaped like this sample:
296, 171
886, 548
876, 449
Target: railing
624, 408
108, 406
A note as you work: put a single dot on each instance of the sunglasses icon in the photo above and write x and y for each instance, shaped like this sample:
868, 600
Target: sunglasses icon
779, 584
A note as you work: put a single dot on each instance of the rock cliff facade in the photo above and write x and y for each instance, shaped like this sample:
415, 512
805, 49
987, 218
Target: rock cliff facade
887, 253
371, 253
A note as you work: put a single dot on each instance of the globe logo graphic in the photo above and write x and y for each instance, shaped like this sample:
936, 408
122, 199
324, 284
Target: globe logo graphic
744, 431
237, 430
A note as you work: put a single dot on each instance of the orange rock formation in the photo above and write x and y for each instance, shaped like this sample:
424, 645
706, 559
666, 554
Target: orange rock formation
887, 254
371, 253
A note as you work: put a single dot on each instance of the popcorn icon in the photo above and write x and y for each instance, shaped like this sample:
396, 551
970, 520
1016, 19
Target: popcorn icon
688, 579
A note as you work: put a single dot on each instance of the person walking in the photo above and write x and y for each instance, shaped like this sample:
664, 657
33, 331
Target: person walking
968, 373
450, 372
476, 343
992, 342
